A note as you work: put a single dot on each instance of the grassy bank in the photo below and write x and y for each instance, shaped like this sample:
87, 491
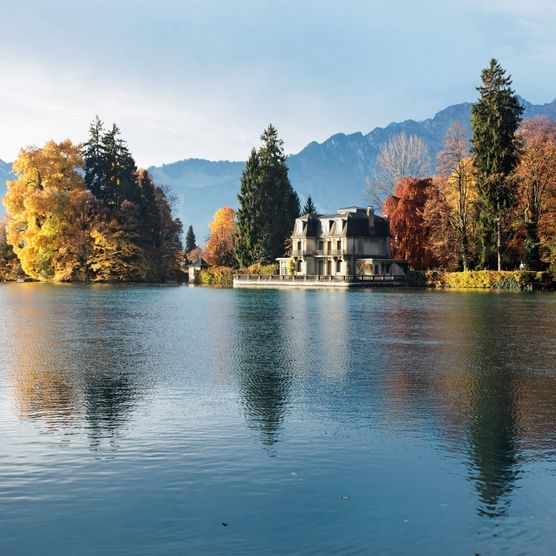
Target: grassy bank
481, 279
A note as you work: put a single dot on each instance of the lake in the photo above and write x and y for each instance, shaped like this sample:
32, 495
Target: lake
176, 420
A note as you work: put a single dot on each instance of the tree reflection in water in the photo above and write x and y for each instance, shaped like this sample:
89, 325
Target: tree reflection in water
69, 378
264, 363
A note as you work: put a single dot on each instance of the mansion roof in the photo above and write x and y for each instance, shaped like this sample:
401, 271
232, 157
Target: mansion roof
347, 222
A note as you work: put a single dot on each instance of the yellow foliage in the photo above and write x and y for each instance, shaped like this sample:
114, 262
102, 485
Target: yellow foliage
263, 269
221, 276
291, 267
220, 246
43, 206
480, 279
115, 258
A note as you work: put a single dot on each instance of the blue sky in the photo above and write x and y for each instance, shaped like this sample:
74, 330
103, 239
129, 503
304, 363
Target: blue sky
203, 78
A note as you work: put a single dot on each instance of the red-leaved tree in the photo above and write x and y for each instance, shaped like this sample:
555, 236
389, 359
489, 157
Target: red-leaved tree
404, 209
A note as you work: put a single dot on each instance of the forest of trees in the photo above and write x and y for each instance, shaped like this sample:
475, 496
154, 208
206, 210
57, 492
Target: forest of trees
87, 213
491, 204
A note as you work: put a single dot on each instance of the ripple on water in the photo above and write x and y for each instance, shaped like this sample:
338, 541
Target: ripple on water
138, 420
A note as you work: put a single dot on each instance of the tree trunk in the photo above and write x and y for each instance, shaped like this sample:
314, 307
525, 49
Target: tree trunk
498, 244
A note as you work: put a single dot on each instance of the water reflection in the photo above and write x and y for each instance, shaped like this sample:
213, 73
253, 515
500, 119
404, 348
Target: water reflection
492, 441
74, 366
458, 379
264, 362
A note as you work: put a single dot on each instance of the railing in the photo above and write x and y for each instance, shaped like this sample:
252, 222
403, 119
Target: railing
317, 252
318, 278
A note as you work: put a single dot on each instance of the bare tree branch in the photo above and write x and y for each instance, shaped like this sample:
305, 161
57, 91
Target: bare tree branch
402, 156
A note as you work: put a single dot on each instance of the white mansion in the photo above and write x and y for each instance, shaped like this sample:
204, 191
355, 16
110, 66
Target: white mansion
354, 242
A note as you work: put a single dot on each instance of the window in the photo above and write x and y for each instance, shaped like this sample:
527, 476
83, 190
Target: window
338, 265
330, 226
339, 245
321, 244
386, 269
299, 245
298, 265
377, 269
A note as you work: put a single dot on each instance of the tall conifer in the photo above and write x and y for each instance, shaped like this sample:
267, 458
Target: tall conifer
190, 240
268, 205
495, 119
309, 207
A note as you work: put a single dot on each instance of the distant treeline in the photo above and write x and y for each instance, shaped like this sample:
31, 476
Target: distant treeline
87, 213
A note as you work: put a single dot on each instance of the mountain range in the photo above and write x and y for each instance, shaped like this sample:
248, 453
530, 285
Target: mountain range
332, 172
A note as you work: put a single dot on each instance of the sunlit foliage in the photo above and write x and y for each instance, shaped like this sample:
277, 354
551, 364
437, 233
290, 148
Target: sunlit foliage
450, 209
404, 210
49, 212
536, 175
95, 217
221, 244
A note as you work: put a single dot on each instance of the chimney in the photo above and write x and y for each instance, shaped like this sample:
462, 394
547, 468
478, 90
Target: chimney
371, 217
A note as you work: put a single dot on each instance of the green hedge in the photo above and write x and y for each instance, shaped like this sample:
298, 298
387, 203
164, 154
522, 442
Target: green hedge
483, 279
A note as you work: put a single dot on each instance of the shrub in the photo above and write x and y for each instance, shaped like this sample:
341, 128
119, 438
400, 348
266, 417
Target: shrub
493, 279
483, 279
221, 276
263, 269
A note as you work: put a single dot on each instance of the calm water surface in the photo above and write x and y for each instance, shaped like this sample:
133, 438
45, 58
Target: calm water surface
138, 420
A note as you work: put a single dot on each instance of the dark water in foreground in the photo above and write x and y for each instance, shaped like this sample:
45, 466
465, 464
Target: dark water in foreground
136, 420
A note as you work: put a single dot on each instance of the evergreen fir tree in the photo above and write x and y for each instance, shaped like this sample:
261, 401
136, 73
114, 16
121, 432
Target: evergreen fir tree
190, 240
249, 214
309, 207
268, 205
95, 161
121, 174
136, 236
495, 119
149, 223
109, 167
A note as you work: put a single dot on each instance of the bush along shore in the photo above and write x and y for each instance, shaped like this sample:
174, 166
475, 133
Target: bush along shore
222, 276
482, 279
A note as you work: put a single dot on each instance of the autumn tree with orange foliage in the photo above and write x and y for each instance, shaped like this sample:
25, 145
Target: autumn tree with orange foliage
536, 175
449, 211
404, 209
221, 244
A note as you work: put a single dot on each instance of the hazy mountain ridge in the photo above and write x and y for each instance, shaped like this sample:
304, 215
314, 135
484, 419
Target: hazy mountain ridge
332, 172
5, 175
